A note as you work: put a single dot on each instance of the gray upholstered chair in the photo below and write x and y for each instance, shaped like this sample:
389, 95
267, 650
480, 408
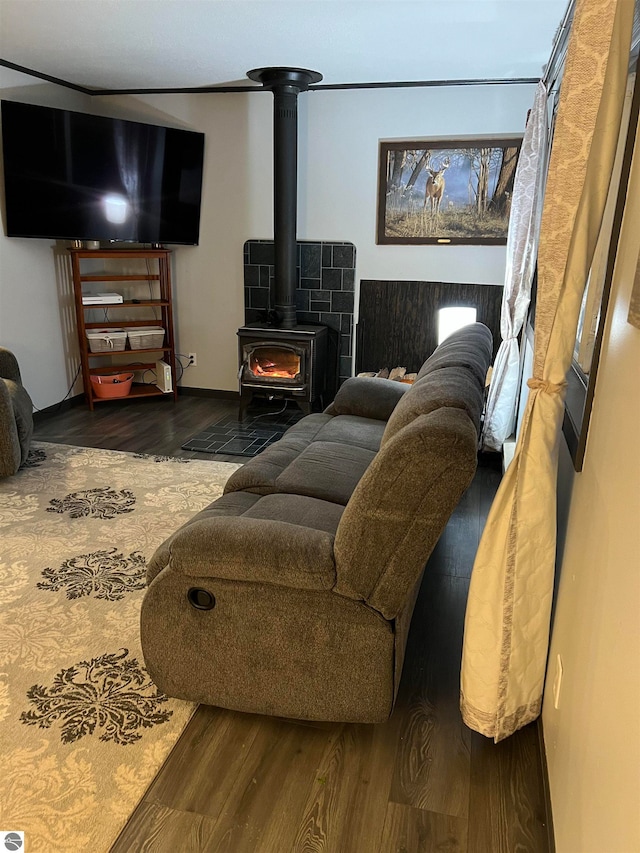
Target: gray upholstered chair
16, 416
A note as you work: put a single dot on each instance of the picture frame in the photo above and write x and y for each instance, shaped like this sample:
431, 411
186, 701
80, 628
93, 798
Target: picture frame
446, 191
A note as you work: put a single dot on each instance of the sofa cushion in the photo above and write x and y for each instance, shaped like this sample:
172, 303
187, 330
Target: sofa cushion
326, 470
470, 347
367, 397
400, 507
449, 387
298, 509
353, 430
309, 426
259, 474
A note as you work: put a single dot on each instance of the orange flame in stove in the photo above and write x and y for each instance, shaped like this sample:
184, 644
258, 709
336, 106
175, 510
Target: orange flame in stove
272, 370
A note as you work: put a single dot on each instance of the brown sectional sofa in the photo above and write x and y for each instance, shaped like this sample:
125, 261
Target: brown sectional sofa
292, 594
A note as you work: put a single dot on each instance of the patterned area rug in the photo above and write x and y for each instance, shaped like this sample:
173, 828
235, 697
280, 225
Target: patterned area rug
249, 437
83, 730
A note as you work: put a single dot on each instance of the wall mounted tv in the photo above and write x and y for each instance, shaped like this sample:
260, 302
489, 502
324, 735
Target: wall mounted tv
73, 176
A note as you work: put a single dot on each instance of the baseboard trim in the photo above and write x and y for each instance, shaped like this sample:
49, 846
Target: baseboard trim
209, 392
548, 814
56, 408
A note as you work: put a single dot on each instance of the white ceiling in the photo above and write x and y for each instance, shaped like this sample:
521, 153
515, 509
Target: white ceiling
114, 44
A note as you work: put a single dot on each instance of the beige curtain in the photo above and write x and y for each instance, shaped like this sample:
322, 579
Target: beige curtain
508, 611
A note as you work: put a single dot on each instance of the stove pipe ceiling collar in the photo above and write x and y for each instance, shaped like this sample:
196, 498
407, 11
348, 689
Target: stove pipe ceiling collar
285, 83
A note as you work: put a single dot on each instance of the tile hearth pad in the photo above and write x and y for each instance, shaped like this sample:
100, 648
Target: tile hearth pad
260, 428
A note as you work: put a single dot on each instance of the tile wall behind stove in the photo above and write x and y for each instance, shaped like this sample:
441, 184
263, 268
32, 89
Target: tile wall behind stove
325, 291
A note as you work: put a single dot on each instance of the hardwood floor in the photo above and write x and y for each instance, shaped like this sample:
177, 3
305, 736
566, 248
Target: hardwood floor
422, 782
153, 425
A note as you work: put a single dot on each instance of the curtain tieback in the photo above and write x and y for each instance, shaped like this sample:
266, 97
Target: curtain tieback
546, 387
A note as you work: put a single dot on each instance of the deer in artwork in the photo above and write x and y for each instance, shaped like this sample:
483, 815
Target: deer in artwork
434, 189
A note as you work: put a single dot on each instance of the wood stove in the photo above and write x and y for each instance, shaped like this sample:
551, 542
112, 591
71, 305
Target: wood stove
285, 364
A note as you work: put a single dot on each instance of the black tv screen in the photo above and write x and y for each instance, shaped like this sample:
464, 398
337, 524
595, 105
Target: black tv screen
73, 176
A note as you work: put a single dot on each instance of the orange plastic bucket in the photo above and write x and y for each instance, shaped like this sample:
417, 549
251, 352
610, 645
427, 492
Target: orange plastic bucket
112, 385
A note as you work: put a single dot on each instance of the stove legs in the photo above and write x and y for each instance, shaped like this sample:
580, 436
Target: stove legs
246, 396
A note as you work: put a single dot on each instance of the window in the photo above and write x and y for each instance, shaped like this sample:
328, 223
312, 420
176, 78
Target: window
453, 318
581, 377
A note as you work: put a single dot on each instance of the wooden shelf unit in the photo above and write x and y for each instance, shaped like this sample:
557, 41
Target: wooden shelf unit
161, 275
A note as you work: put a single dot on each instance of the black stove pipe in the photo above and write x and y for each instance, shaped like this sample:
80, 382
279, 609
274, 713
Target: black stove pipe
285, 83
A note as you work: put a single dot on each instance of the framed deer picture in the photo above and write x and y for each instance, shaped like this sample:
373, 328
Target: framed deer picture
446, 190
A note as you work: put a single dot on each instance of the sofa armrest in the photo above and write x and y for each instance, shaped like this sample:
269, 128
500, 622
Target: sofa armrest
10, 452
255, 550
367, 397
9, 365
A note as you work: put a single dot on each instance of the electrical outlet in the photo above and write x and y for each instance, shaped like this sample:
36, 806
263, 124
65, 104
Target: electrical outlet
557, 682
193, 359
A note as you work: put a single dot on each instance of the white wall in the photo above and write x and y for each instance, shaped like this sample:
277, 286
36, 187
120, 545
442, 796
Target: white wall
593, 738
339, 133
36, 316
208, 279
339, 137
338, 173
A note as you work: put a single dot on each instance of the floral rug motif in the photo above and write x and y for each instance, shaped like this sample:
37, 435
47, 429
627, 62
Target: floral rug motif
83, 729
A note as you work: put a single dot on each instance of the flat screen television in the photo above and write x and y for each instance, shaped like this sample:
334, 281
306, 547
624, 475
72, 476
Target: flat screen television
74, 176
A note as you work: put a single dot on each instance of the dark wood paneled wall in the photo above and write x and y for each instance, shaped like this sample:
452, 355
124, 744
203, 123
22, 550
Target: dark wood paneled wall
398, 320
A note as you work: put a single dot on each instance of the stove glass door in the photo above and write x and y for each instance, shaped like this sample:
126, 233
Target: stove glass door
273, 362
